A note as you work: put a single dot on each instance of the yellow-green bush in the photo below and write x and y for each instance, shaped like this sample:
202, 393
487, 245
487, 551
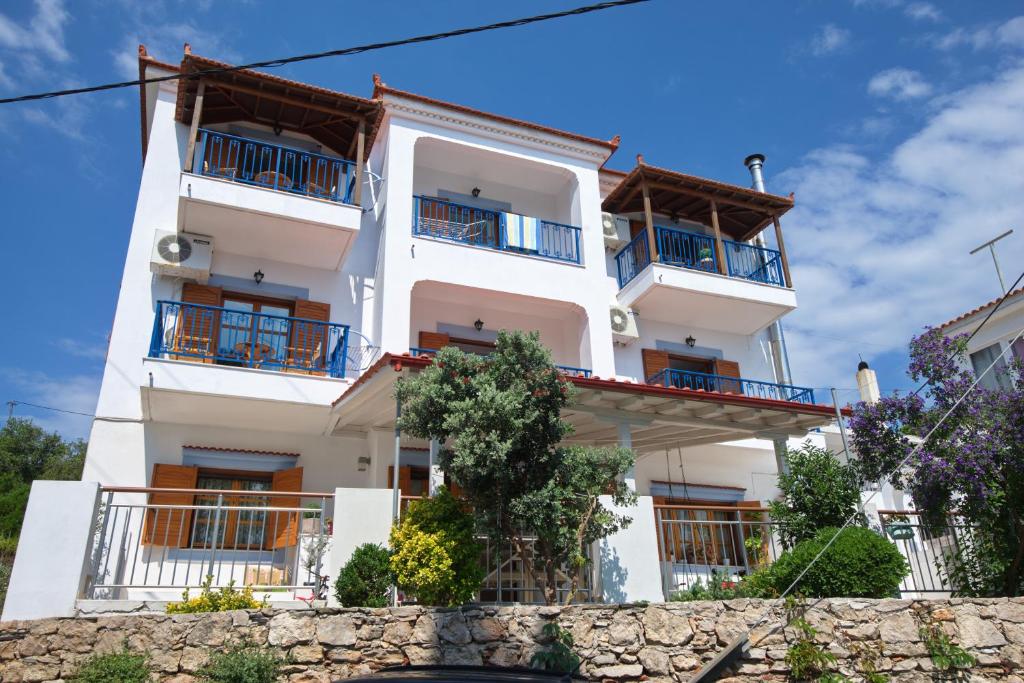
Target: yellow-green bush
435, 556
220, 600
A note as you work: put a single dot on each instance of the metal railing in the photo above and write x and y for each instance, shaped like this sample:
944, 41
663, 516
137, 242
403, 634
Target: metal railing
702, 381
758, 264
446, 220
929, 549
214, 334
698, 542
150, 542
686, 249
275, 167
569, 370
695, 251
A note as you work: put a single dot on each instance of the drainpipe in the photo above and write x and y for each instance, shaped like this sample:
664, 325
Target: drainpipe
776, 340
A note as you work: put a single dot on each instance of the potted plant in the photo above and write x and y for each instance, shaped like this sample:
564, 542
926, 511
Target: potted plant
706, 258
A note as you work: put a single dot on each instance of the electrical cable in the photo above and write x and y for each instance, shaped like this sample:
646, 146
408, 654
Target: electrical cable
359, 49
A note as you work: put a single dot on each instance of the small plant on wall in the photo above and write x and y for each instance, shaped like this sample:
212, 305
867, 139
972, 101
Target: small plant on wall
216, 600
123, 666
558, 655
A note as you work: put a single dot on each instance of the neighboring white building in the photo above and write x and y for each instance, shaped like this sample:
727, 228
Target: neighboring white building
997, 341
296, 250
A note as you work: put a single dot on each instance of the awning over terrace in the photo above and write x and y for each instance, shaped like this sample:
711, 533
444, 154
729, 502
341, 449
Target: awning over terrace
652, 414
332, 118
742, 212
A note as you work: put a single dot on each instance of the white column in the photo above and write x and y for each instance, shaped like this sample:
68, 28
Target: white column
630, 569
626, 441
54, 552
360, 516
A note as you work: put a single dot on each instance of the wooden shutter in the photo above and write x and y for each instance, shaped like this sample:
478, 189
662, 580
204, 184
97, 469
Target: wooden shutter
635, 228
283, 527
434, 341
654, 362
198, 328
728, 368
165, 526
404, 479
308, 352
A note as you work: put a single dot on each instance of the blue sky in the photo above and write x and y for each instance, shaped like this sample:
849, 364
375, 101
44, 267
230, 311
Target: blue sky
898, 124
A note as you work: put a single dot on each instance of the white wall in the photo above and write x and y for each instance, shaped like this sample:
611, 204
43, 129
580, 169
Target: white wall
360, 516
54, 550
630, 570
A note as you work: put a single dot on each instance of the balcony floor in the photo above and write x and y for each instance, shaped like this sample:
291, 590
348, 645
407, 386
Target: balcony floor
708, 300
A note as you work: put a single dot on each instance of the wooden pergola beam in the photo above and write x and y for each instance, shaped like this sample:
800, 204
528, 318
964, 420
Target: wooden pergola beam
652, 246
197, 113
719, 246
292, 101
782, 252
730, 201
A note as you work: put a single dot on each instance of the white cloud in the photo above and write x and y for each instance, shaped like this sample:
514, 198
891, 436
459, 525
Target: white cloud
880, 247
82, 349
165, 41
75, 393
829, 40
1009, 34
923, 11
899, 84
44, 32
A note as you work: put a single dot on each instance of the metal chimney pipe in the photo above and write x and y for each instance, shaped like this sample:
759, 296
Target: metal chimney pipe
777, 342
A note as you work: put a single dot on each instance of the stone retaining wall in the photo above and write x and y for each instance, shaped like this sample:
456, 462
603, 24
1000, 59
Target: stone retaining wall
624, 642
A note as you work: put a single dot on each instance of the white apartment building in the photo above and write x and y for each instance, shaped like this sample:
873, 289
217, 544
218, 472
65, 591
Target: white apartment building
296, 250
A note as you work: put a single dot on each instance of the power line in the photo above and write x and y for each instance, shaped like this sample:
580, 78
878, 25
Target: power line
42, 407
270, 63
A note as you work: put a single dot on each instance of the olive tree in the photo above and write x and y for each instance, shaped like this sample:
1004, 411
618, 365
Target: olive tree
499, 421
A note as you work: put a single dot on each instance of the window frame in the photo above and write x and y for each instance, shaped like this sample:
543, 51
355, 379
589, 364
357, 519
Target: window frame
231, 520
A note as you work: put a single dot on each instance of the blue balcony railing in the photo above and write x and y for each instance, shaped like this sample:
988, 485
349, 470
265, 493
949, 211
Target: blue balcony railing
685, 379
274, 167
564, 369
489, 229
213, 334
697, 252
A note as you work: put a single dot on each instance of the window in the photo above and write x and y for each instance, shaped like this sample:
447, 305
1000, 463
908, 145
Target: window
238, 325
235, 529
996, 378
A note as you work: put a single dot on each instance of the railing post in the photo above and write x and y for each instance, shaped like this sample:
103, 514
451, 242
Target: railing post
279, 152
743, 541
320, 546
158, 331
344, 352
252, 340
97, 554
216, 532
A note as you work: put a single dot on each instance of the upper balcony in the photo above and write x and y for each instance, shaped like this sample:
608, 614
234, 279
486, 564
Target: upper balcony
273, 169
500, 230
709, 273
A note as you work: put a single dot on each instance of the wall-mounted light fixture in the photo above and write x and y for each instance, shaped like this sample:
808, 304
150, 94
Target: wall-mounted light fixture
476, 191
479, 324
258, 277
363, 462
277, 129
690, 341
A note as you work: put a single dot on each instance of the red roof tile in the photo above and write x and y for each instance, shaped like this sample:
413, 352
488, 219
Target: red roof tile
983, 307
240, 450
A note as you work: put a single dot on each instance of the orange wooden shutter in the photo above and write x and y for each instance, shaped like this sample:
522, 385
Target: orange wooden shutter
654, 362
404, 479
283, 527
198, 327
434, 341
308, 350
165, 526
728, 368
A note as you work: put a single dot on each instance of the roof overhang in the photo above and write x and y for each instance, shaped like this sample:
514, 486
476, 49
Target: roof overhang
656, 415
742, 212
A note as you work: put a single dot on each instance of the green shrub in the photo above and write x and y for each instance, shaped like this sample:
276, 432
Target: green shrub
220, 600
114, 667
558, 655
859, 564
366, 579
242, 663
436, 556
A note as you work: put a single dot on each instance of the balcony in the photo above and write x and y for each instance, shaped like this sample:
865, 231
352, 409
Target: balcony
222, 336
700, 381
740, 291
498, 230
270, 201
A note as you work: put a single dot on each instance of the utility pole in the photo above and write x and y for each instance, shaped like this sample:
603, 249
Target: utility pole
10, 409
991, 244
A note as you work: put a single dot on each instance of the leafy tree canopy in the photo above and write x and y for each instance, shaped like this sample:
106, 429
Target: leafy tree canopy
27, 453
971, 467
499, 422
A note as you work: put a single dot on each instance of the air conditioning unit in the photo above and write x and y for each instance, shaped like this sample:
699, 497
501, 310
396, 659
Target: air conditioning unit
616, 230
623, 325
182, 254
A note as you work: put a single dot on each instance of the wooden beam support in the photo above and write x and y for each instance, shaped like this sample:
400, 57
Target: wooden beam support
719, 245
193, 131
292, 101
652, 246
763, 209
360, 147
782, 252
